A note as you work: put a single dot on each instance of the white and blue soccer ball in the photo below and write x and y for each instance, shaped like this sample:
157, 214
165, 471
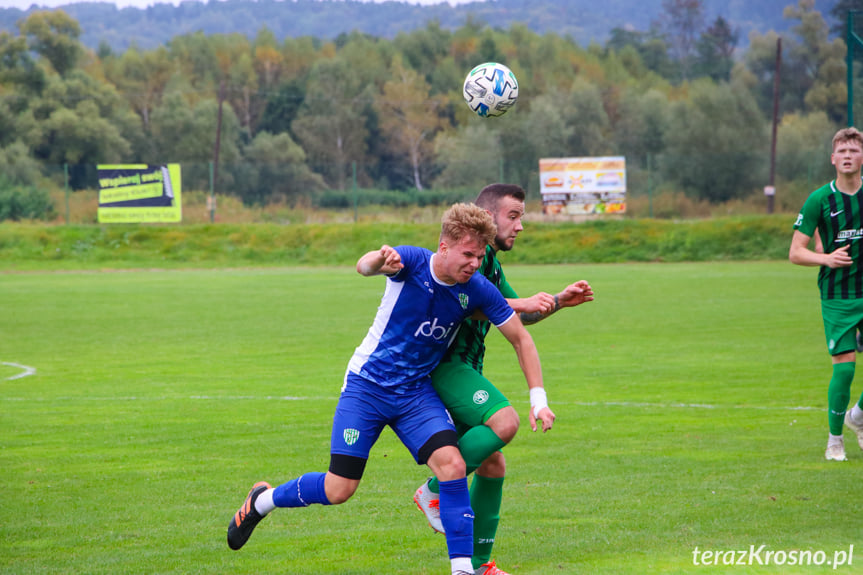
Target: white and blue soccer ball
490, 89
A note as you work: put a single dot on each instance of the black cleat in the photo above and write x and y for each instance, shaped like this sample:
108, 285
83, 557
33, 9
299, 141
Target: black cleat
246, 518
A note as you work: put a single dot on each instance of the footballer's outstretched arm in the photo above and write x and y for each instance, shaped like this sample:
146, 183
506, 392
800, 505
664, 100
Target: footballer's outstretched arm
383, 261
528, 358
540, 306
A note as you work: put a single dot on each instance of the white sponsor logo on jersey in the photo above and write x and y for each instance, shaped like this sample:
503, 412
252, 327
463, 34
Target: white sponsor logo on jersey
433, 330
849, 235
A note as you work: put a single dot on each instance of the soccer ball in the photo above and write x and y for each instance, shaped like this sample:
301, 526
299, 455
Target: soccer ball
490, 89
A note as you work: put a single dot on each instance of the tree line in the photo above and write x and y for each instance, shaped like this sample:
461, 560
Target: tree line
680, 100
584, 20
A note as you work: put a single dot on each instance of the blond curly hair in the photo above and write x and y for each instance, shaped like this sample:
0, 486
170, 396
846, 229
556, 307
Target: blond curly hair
462, 220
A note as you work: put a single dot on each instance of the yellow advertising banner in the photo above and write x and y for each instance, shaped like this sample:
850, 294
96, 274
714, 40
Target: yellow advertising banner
139, 193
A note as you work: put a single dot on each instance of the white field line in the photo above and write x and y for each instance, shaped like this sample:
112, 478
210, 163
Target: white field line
628, 404
27, 370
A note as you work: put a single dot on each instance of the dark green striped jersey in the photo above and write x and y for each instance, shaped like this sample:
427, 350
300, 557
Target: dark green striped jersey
838, 218
469, 344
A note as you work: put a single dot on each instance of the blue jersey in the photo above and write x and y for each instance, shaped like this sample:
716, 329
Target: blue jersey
418, 318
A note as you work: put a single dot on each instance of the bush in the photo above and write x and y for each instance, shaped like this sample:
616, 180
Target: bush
346, 198
25, 203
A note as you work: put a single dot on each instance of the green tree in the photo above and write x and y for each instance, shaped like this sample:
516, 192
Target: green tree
803, 148
195, 54
331, 125
683, 21
80, 135
585, 110
424, 49
274, 169
282, 107
18, 166
717, 143
822, 60
54, 36
715, 51
18, 68
651, 47
186, 133
410, 118
142, 78
642, 124
82, 121
813, 70
267, 59
469, 157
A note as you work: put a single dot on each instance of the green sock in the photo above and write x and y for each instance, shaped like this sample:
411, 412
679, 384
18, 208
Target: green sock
838, 395
475, 445
486, 494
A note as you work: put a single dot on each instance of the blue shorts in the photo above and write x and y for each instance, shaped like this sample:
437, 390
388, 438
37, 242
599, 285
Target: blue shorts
415, 414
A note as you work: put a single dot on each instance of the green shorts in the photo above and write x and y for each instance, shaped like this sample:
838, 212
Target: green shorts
842, 318
470, 398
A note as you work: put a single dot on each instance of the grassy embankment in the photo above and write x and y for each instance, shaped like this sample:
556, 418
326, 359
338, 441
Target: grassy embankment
39, 247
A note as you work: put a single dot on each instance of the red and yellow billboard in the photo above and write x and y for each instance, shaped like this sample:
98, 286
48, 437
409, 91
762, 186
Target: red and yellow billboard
583, 186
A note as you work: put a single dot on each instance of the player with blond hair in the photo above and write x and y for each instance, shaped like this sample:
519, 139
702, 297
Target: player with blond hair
388, 379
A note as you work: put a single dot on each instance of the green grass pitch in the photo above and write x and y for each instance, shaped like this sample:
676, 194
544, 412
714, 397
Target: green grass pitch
690, 401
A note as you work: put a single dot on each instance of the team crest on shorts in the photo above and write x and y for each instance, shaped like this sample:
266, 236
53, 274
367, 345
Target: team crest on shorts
462, 299
351, 436
480, 397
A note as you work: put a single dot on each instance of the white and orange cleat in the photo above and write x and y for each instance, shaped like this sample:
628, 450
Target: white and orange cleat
429, 504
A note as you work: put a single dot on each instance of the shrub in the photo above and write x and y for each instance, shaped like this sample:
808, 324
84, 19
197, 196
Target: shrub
24, 203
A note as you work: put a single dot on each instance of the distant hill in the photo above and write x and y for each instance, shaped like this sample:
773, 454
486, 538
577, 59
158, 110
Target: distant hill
583, 20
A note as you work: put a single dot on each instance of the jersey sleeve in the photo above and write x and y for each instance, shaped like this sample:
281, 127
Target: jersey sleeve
505, 289
411, 258
493, 305
809, 216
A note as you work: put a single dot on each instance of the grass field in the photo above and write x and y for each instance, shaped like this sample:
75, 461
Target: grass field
690, 402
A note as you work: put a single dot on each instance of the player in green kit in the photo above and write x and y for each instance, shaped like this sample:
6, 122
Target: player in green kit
835, 211
484, 418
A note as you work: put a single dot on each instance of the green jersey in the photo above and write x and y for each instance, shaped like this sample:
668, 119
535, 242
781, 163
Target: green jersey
839, 220
469, 344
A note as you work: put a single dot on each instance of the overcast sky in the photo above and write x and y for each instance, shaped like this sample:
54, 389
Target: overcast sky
24, 4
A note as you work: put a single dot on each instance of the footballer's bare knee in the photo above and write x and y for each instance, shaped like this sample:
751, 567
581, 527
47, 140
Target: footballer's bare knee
339, 489
504, 423
447, 463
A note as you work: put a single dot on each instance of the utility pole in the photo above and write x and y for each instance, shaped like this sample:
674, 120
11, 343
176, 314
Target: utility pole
218, 136
770, 189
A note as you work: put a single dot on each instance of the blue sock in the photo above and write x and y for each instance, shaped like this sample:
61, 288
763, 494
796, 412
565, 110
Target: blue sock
457, 517
302, 491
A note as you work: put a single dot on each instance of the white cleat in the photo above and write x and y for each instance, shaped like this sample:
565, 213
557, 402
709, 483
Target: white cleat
835, 451
429, 504
855, 427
